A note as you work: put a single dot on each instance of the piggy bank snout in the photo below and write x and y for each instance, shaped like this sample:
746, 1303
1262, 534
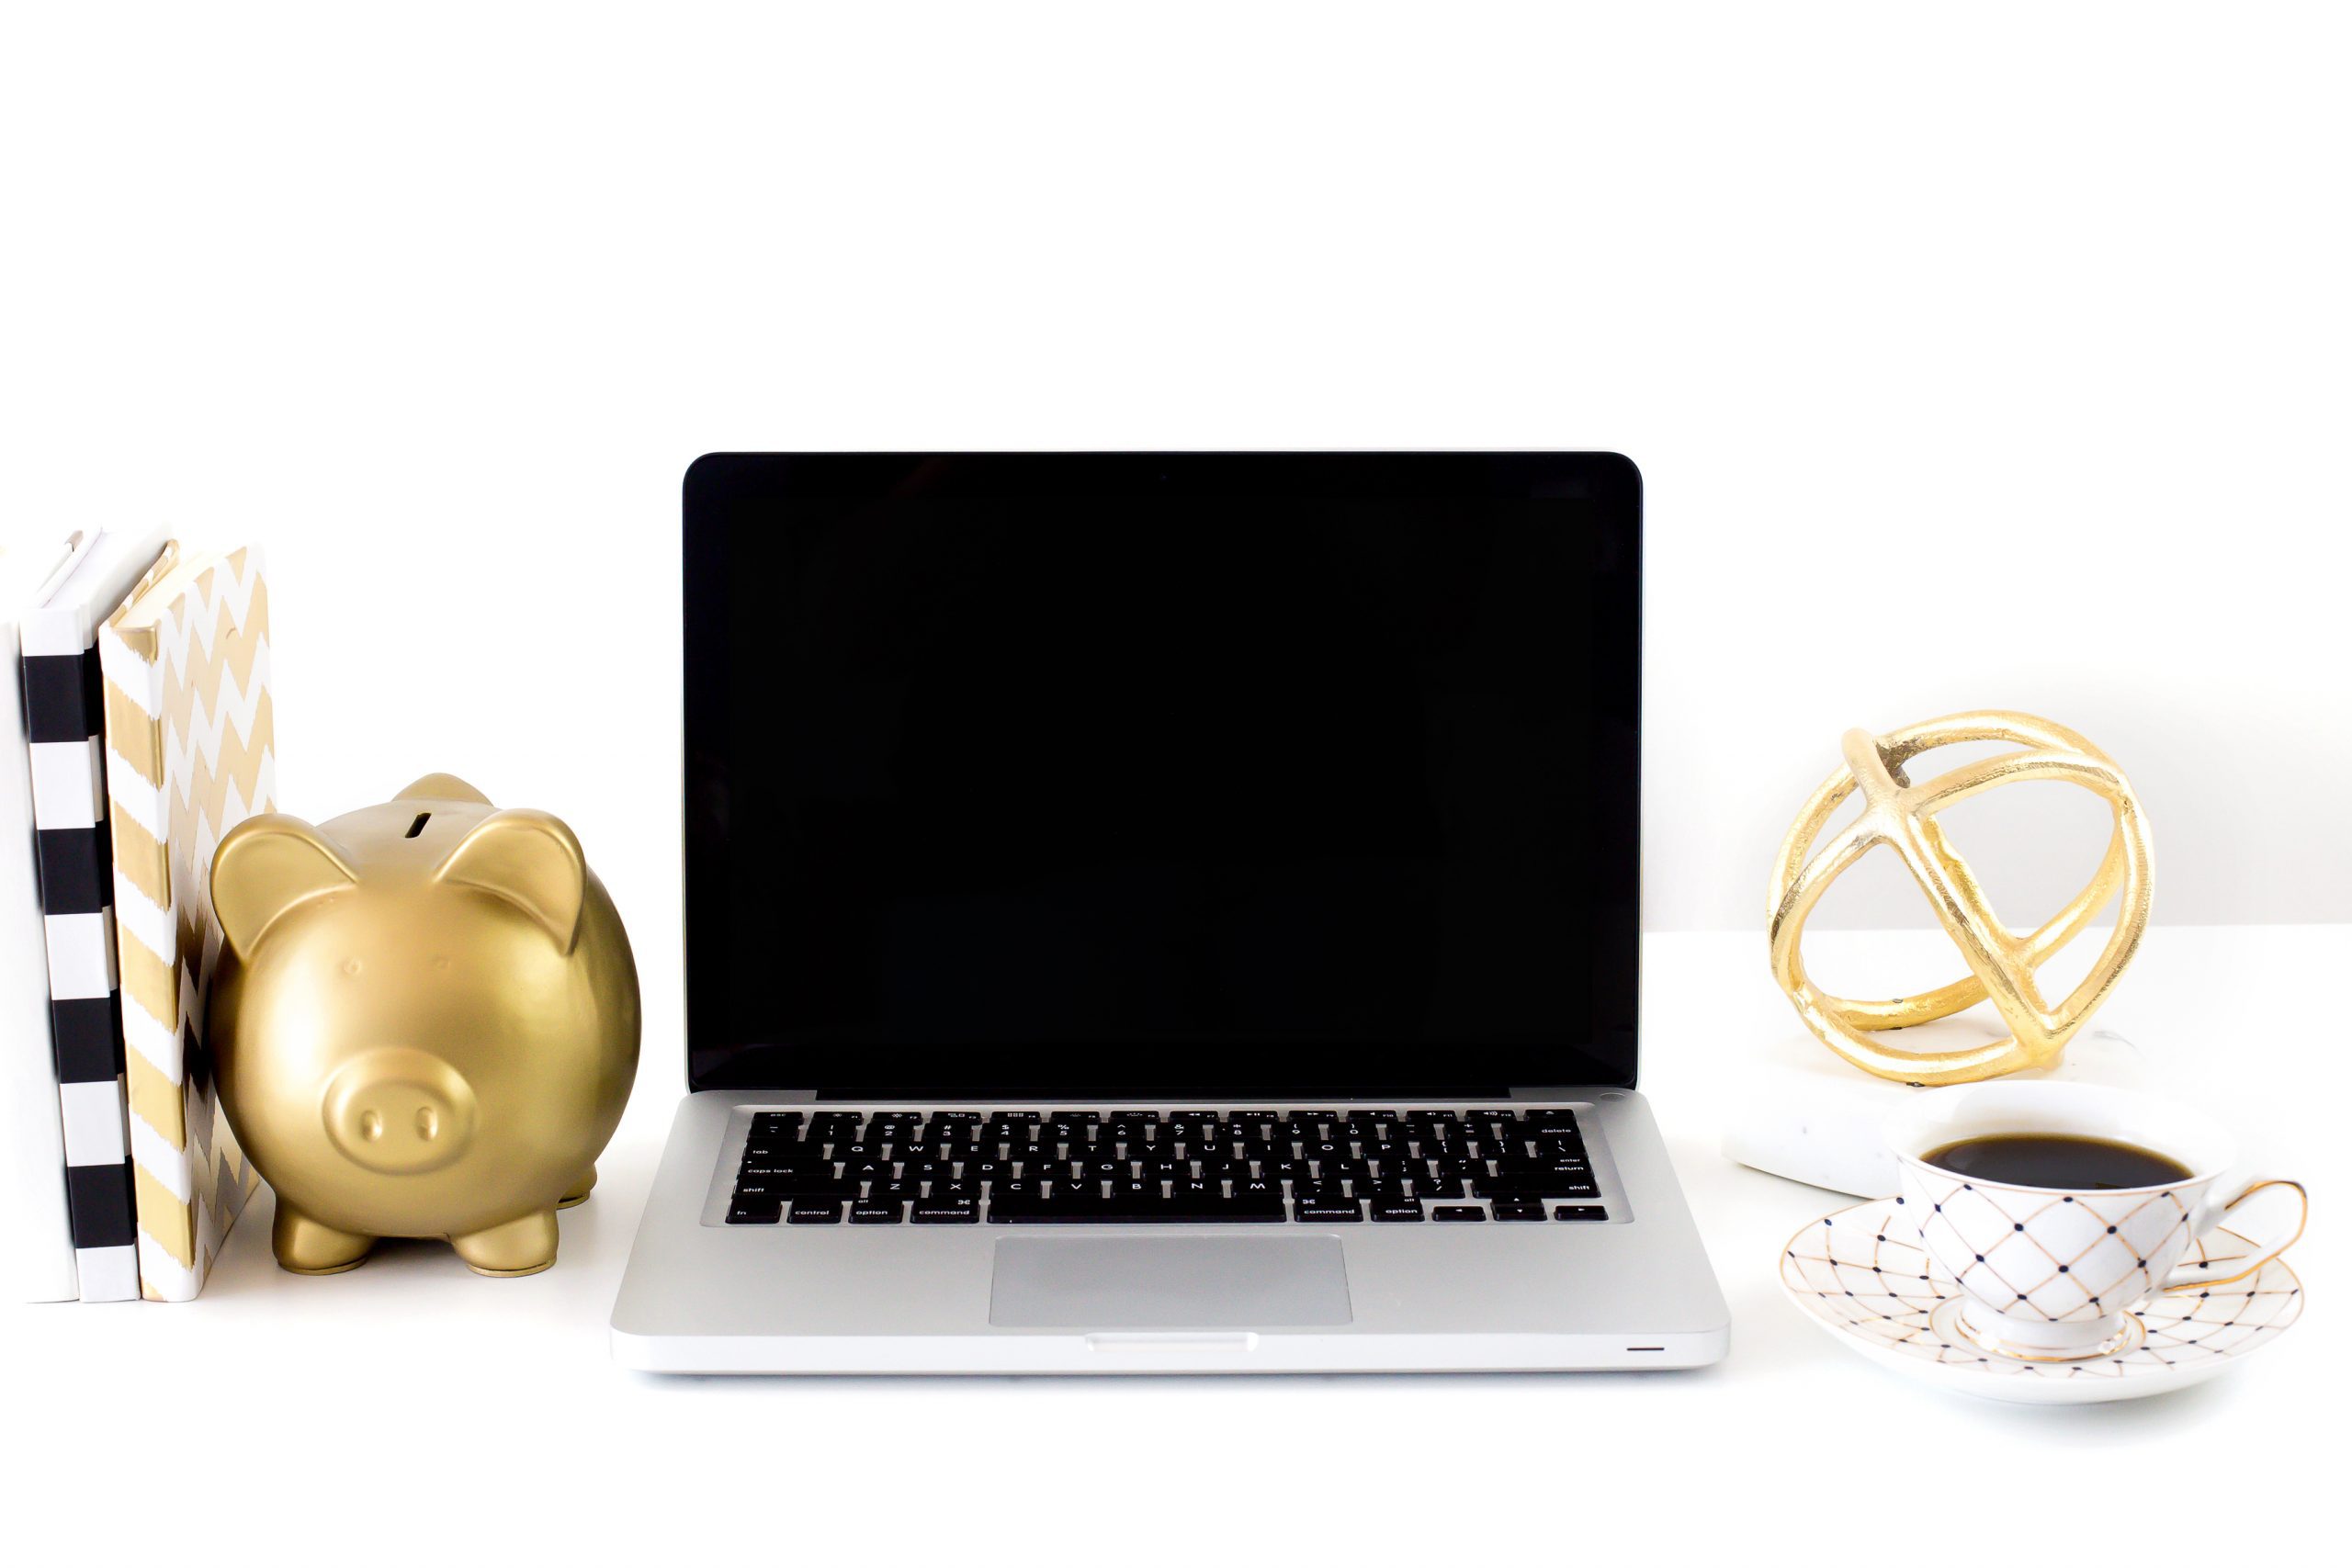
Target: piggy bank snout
399, 1111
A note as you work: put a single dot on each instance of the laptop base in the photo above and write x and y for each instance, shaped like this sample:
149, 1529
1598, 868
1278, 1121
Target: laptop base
1633, 1290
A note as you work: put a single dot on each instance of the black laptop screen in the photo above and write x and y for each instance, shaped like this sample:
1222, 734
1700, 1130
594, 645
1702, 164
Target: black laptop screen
1117, 776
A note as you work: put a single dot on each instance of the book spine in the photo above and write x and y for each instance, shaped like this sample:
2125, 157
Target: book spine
188, 756
64, 721
38, 1227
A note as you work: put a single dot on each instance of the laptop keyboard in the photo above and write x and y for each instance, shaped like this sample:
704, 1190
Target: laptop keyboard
1045, 1168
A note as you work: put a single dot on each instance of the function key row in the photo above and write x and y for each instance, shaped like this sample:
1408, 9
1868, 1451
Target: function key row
848, 1137
843, 1122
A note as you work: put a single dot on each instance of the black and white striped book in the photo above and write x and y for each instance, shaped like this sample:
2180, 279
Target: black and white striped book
65, 724
36, 1233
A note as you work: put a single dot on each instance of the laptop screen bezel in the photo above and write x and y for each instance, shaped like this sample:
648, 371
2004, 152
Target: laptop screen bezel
720, 487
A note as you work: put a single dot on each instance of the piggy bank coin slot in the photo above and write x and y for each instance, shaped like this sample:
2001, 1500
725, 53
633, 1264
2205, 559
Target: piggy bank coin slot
418, 826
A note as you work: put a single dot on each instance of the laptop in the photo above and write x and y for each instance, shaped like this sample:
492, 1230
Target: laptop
1163, 913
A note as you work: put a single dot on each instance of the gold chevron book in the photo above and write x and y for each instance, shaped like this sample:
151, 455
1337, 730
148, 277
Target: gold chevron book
185, 663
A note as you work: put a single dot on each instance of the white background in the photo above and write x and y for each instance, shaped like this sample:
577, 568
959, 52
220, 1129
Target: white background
1990, 356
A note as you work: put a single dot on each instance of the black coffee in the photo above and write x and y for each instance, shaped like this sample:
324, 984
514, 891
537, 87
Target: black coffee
2059, 1160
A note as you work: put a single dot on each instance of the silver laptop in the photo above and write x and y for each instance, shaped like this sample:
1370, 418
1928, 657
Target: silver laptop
1163, 913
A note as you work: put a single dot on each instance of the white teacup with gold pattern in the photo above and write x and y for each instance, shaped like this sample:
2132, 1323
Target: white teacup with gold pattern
2052, 1273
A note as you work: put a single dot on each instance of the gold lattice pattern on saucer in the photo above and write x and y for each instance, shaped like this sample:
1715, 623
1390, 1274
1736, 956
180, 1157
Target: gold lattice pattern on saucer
1902, 815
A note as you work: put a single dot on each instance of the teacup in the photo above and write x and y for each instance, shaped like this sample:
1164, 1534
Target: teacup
2052, 1273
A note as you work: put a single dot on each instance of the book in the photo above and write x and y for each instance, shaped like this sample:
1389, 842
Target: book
57, 644
36, 1228
188, 739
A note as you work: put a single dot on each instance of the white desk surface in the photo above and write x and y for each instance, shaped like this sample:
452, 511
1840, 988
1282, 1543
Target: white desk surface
410, 1410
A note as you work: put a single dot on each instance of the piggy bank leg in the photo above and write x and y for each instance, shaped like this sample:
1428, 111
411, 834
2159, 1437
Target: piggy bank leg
305, 1247
577, 1191
518, 1246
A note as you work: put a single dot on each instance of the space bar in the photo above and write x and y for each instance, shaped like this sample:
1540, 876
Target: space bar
1136, 1214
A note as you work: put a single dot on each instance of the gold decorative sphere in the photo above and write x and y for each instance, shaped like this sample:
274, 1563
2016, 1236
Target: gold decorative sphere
2001, 961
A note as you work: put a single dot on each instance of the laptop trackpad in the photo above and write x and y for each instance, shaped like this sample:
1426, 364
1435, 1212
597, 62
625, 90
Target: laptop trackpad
1170, 1281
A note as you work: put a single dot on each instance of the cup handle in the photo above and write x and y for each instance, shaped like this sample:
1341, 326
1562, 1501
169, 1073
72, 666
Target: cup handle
2196, 1275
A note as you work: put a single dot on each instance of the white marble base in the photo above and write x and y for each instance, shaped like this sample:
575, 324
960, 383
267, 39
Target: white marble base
1801, 1112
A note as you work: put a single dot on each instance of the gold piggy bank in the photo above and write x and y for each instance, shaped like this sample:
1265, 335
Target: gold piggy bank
425, 1022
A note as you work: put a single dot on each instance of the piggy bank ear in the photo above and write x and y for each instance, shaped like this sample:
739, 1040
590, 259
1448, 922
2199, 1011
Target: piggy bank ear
529, 858
265, 866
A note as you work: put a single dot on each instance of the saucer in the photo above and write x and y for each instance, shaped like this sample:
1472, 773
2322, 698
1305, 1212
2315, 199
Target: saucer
1861, 1275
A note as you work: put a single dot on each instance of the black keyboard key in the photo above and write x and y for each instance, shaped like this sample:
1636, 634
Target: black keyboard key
1571, 1169
873, 1212
1385, 1212
1064, 1202
1458, 1214
1587, 1211
782, 1151
1128, 1196
784, 1165
1327, 1211
1178, 1212
1516, 1178
1502, 1187
793, 1184
813, 1212
947, 1211
756, 1212
1518, 1207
